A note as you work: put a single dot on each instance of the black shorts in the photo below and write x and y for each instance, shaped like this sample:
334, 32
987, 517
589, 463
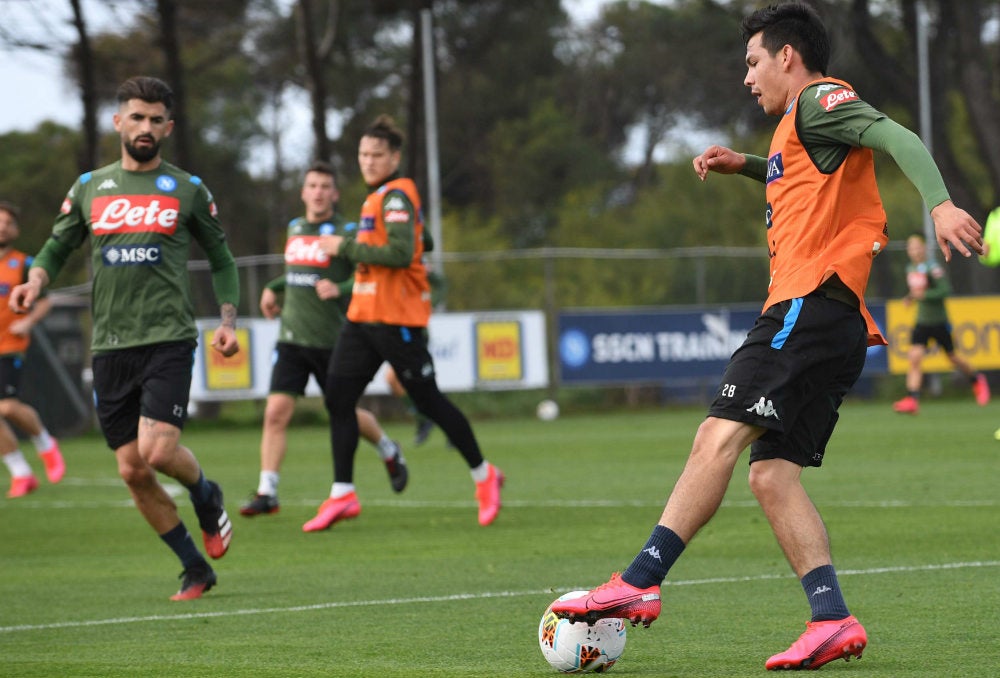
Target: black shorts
363, 347
791, 375
293, 364
10, 375
940, 333
145, 381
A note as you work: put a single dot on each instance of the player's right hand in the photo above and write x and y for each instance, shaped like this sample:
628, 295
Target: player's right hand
718, 159
23, 296
269, 304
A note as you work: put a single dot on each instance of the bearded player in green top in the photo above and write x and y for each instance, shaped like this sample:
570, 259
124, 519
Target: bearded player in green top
317, 292
141, 214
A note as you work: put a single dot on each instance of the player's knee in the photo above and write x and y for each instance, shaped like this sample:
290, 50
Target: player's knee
136, 474
764, 480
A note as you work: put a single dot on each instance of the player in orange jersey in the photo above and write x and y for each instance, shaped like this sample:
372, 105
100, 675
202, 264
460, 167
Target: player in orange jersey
782, 389
15, 336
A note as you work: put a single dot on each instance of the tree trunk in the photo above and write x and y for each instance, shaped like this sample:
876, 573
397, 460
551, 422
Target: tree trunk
88, 96
170, 45
312, 60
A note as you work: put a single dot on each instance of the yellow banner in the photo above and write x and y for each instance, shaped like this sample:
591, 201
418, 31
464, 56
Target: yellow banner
227, 374
975, 330
498, 351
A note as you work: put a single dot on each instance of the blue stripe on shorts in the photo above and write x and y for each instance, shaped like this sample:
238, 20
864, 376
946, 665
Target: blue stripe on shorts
790, 319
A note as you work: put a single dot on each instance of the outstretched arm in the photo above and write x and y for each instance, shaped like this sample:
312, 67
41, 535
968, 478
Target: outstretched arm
952, 226
718, 159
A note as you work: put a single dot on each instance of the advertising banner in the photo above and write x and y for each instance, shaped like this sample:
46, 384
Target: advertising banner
623, 346
975, 330
471, 351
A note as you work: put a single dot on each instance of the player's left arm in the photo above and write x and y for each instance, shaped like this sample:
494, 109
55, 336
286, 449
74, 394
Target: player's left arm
205, 228
952, 225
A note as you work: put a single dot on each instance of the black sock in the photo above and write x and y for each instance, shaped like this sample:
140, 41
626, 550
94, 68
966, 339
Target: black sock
200, 491
823, 590
651, 565
180, 542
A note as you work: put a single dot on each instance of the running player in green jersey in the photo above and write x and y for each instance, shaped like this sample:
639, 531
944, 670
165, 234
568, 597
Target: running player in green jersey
317, 291
140, 215
929, 288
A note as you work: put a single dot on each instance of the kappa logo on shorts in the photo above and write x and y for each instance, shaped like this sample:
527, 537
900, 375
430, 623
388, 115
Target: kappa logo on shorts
764, 408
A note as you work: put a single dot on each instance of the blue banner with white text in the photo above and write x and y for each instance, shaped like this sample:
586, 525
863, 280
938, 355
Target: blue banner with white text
622, 346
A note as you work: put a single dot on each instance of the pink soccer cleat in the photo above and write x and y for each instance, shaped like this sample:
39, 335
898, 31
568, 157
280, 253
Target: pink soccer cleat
488, 495
981, 389
22, 486
615, 599
334, 510
822, 642
907, 405
55, 467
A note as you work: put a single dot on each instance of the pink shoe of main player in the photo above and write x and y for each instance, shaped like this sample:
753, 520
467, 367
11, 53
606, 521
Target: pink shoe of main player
822, 642
488, 495
334, 510
907, 405
612, 600
55, 467
22, 486
981, 389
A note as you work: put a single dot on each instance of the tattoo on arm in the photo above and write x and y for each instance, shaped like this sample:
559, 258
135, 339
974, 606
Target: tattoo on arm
228, 312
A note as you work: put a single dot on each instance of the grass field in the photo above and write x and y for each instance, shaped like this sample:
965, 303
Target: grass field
415, 587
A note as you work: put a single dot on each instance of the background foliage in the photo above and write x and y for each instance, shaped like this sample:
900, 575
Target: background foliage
551, 133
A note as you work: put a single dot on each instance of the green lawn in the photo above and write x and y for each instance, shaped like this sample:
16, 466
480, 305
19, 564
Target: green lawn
415, 586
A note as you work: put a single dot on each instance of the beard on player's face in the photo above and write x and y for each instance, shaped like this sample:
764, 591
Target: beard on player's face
143, 153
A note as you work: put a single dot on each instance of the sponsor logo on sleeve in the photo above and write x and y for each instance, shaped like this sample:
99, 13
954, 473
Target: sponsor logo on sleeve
397, 216
837, 97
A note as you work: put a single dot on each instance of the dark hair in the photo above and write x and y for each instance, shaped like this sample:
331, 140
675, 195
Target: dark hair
795, 24
323, 167
148, 89
384, 127
11, 209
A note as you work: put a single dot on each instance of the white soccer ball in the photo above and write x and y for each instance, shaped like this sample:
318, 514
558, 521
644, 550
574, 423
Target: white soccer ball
547, 410
577, 647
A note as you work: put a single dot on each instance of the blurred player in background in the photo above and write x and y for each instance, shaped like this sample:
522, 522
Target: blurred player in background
387, 321
15, 336
317, 290
782, 388
929, 288
141, 215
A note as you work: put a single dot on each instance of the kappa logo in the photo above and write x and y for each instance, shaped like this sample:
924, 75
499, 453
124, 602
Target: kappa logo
764, 408
654, 552
106, 184
822, 589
